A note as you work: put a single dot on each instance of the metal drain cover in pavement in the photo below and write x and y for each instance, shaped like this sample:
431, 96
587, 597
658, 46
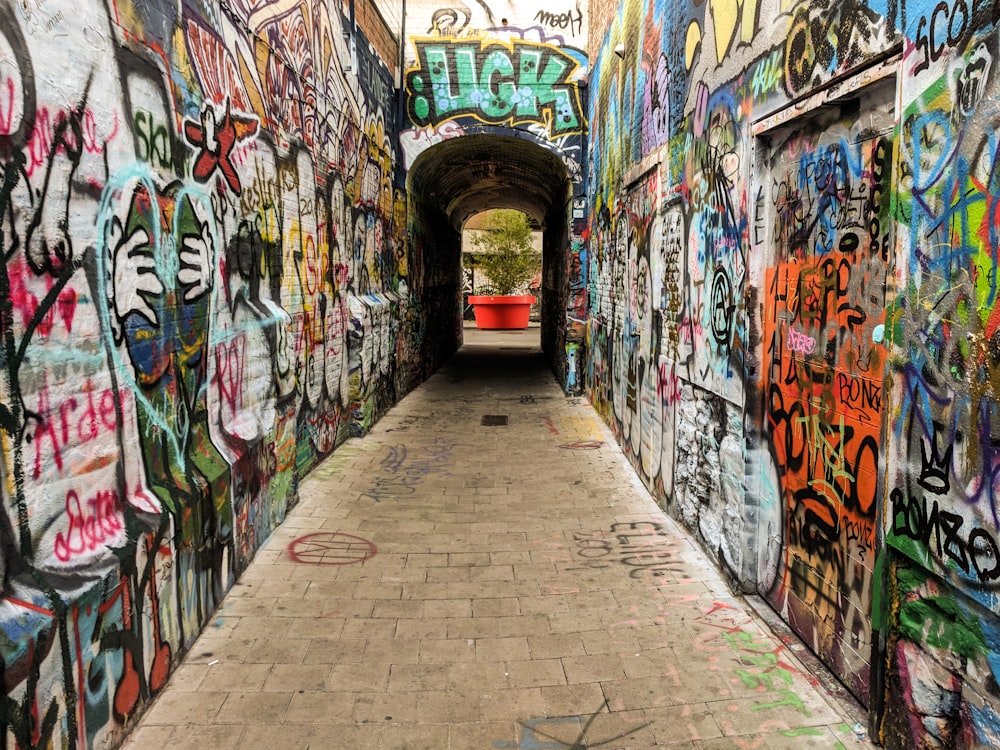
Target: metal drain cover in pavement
494, 420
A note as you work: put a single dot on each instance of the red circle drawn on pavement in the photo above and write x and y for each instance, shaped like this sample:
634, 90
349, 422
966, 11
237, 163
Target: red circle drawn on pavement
331, 548
584, 445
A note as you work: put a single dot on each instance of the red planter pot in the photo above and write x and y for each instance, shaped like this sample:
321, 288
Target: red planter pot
499, 312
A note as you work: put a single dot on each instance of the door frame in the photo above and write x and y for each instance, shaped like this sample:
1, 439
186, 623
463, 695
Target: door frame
760, 458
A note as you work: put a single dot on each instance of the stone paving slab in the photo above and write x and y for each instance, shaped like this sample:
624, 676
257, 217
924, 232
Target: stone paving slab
449, 585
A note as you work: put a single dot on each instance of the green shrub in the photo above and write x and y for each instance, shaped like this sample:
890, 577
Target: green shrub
505, 254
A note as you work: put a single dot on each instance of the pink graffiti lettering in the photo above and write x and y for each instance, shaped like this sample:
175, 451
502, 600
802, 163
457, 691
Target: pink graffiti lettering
65, 132
91, 524
691, 331
7, 120
230, 358
670, 384
26, 304
72, 421
416, 141
143, 500
800, 342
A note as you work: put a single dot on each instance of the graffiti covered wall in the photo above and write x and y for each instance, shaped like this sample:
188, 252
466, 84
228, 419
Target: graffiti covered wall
824, 241
205, 287
499, 66
941, 519
791, 321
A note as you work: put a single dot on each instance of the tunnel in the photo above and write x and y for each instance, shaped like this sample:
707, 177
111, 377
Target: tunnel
458, 178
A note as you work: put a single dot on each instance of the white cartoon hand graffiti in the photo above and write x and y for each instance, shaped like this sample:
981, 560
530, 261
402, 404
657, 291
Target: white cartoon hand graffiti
195, 272
135, 278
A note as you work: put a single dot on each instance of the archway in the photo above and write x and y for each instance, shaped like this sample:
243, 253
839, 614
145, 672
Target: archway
460, 177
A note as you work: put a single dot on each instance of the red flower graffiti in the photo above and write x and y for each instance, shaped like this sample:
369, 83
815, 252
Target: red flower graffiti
216, 137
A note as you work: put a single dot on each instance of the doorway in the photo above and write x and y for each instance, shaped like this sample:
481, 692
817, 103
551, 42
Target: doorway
823, 229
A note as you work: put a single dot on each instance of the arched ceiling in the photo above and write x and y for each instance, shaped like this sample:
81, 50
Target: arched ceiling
472, 173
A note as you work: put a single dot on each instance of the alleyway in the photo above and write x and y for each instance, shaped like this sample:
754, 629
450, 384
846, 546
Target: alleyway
447, 583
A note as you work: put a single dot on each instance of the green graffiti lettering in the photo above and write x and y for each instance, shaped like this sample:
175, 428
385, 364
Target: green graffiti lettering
764, 679
764, 661
497, 83
525, 83
545, 88
789, 699
804, 732
442, 96
743, 639
468, 94
940, 623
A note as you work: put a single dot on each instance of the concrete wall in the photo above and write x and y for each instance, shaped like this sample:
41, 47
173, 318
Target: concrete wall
792, 328
205, 287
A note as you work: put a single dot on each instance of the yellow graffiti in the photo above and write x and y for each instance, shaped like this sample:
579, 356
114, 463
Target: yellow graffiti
270, 227
399, 211
580, 429
374, 170
727, 15
256, 100
692, 44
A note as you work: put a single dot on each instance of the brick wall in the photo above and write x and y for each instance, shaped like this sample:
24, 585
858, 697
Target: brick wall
374, 26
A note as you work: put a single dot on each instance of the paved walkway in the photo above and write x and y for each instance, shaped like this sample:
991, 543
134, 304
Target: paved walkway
453, 585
